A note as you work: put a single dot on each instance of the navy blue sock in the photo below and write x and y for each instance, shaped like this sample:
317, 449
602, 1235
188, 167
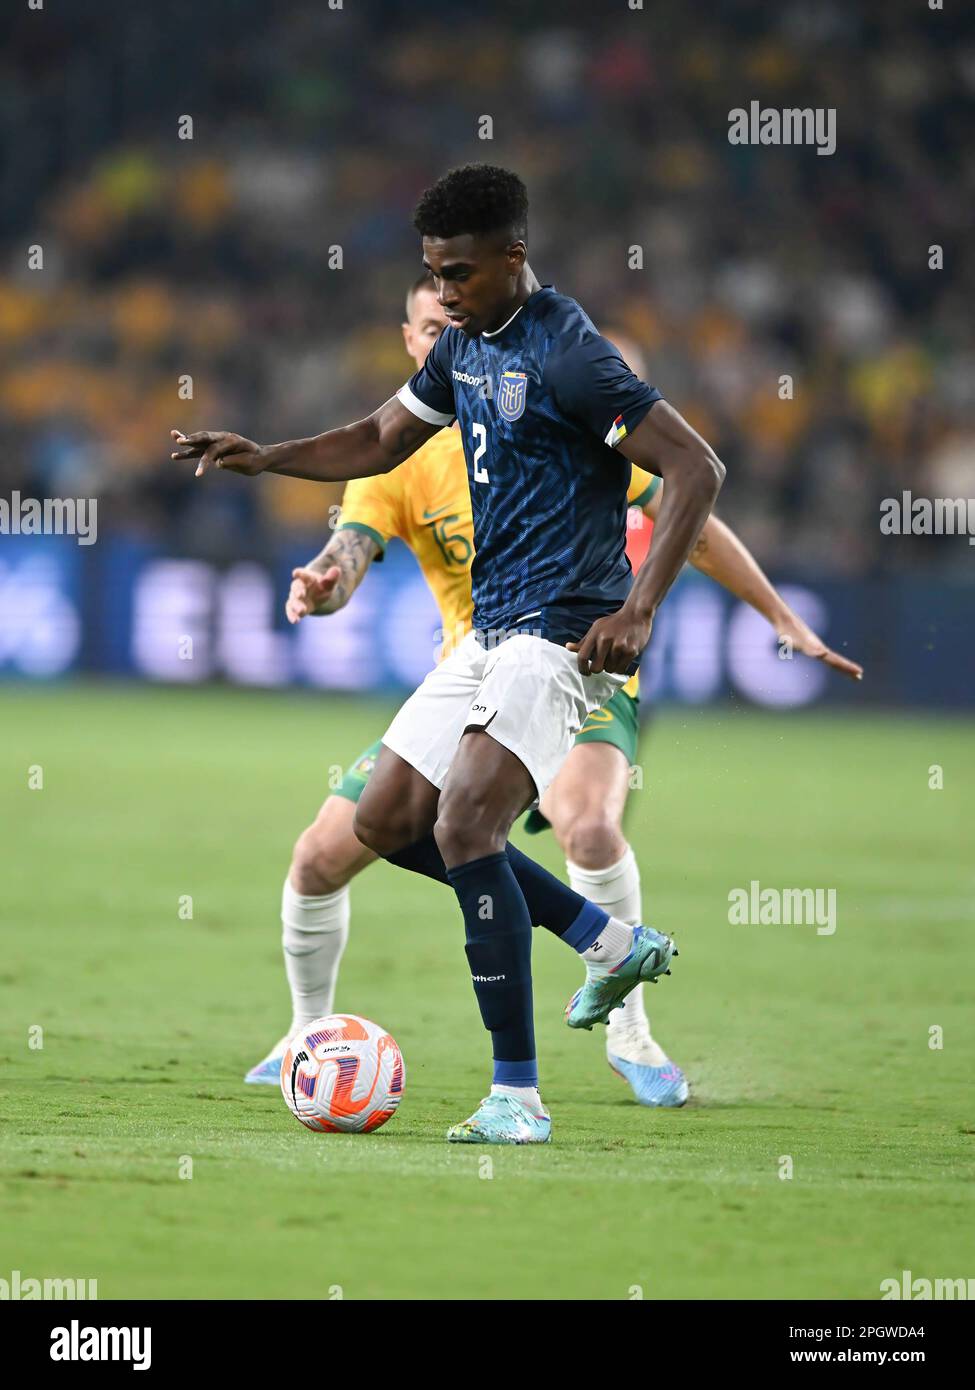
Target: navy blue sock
555, 906
499, 951
552, 904
422, 857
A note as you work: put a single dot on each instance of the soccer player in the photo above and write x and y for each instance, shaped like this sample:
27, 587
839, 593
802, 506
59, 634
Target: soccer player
426, 502
585, 803
544, 404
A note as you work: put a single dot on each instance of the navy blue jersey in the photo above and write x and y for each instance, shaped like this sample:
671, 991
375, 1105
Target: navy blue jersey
540, 404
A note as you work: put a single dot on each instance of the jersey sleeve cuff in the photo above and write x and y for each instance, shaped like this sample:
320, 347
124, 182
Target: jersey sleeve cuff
366, 531
423, 412
624, 425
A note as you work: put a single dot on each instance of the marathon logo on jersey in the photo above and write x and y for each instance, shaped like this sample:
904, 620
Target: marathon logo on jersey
511, 395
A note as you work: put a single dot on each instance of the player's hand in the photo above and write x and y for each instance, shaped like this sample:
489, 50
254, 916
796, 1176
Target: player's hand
309, 590
804, 640
612, 644
230, 451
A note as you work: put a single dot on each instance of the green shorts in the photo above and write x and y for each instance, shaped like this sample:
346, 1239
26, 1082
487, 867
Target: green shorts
357, 775
618, 723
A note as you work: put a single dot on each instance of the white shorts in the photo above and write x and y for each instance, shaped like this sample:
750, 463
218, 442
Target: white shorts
526, 692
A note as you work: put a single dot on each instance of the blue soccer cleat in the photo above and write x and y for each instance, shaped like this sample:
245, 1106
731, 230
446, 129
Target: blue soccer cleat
604, 989
268, 1072
502, 1120
654, 1079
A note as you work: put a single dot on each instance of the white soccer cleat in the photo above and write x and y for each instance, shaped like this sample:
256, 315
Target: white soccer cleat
654, 1079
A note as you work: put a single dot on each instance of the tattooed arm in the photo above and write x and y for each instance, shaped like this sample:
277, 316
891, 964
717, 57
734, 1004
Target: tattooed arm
374, 445
328, 582
719, 553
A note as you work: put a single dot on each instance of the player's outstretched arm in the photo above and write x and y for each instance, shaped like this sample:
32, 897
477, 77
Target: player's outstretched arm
377, 444
720, 554
724, 557
665, 444
327, 583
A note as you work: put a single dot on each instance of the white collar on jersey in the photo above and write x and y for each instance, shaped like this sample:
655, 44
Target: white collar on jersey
505, 325
496, 331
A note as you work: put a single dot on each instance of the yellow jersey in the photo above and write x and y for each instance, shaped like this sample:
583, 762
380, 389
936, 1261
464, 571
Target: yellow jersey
426, 503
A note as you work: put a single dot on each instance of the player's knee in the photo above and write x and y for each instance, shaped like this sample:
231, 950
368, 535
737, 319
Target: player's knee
591, 840
464, 833
370, 831
319, 865
383, 833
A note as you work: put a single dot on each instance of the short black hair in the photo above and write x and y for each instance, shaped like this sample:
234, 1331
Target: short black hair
476, 199
424, 281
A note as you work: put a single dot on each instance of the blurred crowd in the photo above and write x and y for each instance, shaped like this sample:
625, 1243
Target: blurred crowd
786, 302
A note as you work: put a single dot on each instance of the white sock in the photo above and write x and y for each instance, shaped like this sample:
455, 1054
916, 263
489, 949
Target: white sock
616, 890
631, 1013
314, 936
528, 1095
613, 944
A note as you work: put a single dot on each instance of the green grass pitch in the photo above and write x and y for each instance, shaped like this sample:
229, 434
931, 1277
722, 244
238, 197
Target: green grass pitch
815, 1047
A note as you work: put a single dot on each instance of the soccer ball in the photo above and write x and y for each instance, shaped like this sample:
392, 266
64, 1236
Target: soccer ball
342, 1073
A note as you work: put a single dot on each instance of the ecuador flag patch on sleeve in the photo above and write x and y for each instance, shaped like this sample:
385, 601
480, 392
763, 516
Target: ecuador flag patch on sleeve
617, 431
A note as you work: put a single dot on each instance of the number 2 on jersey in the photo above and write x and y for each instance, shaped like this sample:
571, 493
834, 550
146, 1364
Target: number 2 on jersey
480, 439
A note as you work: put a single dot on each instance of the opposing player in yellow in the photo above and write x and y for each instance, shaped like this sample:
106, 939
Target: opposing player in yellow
426, 503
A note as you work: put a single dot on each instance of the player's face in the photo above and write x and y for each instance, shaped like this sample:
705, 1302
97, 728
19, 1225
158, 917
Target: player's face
476, 279
426, 323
